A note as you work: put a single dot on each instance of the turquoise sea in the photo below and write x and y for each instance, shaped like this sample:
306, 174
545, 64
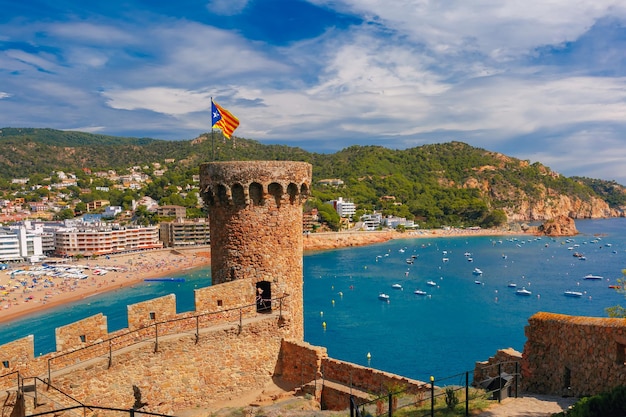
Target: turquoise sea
443, 333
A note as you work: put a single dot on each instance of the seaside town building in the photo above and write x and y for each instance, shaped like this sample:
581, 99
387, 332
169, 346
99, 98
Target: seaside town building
97, 205
19, 244
105, 239
345, 209
177, 212
185, 232
371, 221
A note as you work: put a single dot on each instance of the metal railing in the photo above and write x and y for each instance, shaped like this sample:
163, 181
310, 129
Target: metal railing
152, 332
443, 394
121, 412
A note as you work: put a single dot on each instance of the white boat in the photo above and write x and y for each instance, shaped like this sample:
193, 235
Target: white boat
512, 285
591, 276
396, 286
383, 296
477, 282
420, 292
523, 291
477, 271
569, 293
431, 283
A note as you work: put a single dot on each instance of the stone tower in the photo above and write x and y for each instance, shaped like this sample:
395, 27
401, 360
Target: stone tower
255, 211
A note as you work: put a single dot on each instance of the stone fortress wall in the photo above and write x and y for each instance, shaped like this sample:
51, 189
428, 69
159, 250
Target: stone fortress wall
572, 355
235, 341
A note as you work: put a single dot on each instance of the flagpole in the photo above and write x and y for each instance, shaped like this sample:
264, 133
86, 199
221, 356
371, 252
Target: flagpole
212, 135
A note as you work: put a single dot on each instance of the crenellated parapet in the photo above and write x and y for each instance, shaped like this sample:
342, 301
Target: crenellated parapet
242, 184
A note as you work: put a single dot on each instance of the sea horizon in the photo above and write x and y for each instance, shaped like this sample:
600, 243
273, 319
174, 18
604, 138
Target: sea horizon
462, 319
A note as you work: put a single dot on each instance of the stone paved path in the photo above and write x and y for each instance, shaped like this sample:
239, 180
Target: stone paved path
529, 406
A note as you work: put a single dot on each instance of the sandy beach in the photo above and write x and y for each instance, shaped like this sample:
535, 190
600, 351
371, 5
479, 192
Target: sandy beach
26, 289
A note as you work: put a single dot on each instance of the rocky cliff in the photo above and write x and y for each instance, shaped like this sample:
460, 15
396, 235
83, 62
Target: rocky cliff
526, 200
552, 206
559, 226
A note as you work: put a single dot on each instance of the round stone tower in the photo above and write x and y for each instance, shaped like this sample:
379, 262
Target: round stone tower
255, 213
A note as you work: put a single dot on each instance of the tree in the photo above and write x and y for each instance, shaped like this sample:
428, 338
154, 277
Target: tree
329, 216
618, 311
64, 214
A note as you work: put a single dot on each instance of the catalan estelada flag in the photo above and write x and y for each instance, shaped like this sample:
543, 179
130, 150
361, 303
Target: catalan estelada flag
223, 119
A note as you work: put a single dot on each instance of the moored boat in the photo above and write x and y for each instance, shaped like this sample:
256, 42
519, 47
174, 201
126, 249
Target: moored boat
383, 296
569, 293
523, 291
477, 271
591, 276
419, 292
396, 286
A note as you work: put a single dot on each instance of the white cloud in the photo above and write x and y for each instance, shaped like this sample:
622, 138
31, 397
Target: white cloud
226, 7
4, 95
159, 99
90, 33
41, 61
494, 28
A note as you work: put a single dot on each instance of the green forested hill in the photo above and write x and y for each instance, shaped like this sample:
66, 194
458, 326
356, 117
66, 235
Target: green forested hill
449, 183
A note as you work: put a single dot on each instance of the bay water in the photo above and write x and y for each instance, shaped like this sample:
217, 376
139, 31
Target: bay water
462, 318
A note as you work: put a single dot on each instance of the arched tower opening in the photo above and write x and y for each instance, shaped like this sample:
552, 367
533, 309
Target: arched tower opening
276, 191
256, 193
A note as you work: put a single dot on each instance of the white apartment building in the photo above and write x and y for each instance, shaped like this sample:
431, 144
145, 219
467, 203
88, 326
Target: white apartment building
20, 244
105, 240
372, 221
343, 208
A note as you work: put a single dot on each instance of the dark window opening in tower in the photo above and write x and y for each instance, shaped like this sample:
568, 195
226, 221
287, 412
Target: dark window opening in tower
264, 297
292, 190
239, 197
207, 197
276, 190
304, 191
222, 195
256, 193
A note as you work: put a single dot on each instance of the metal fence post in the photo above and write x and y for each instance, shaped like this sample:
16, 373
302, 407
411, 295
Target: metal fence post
517, 374
351, 406
466, 393
197, 329
49, 372
390, 399
499, 382
432, 396
156, 337
110, 353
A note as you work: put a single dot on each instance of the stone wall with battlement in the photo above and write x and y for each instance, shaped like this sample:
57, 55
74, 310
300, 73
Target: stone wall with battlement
155, 310
81, 332
301, 363
572, 355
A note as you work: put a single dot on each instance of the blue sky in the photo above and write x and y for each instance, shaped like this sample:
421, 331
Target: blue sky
538, 80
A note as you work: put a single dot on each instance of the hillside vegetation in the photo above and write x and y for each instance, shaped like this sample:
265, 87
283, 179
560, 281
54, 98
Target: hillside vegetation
441, 184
